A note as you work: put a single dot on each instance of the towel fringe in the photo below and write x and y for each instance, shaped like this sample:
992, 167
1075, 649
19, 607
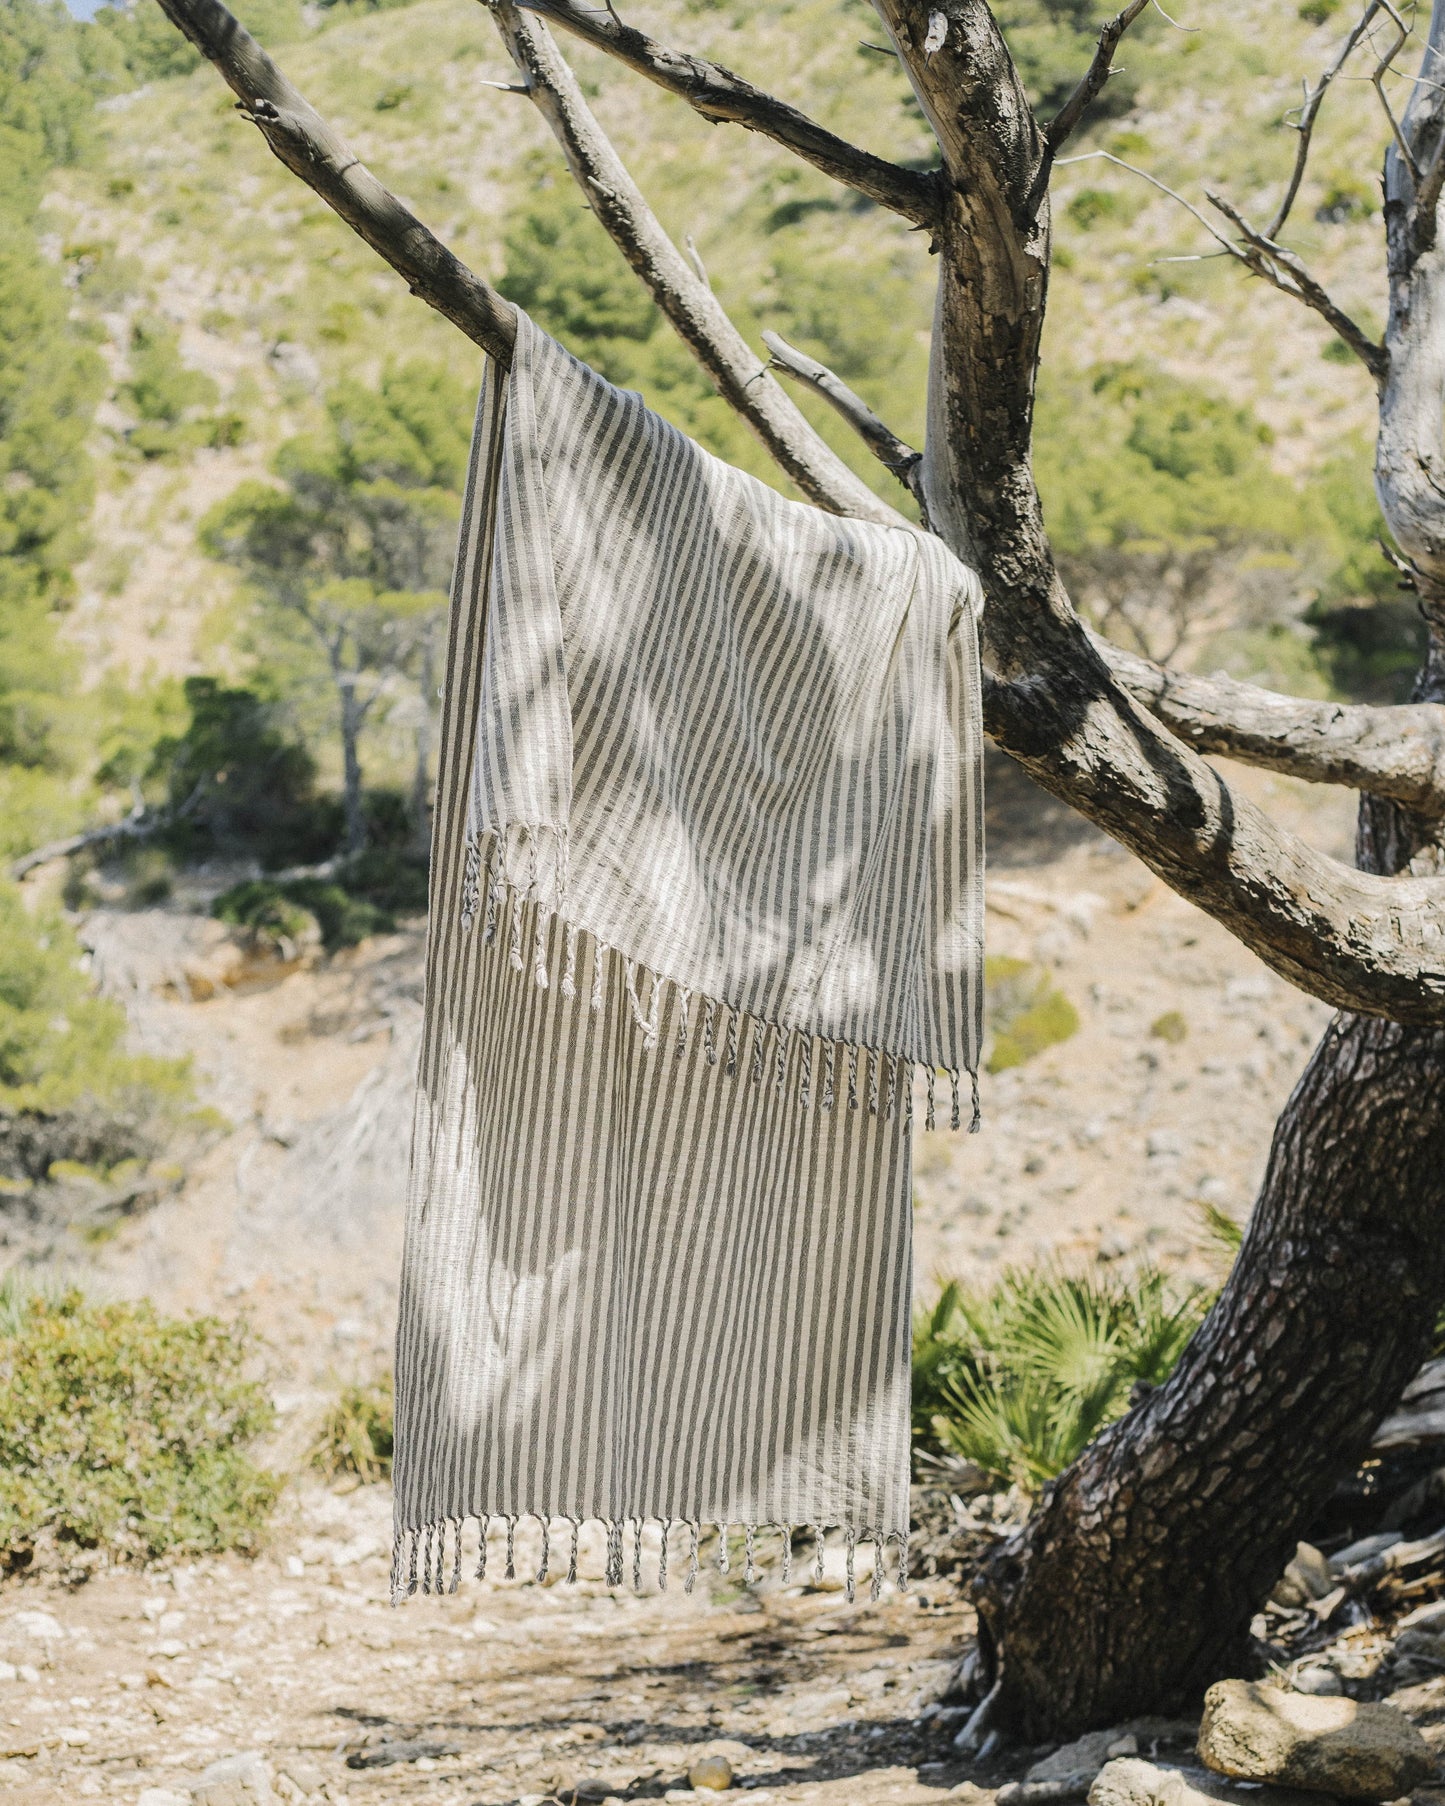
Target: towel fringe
527, 868
427, 1558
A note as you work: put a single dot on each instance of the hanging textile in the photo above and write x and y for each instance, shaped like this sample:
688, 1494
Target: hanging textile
706, 889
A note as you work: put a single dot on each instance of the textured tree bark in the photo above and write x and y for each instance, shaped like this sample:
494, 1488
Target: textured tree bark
1132, 1586
1133, 1583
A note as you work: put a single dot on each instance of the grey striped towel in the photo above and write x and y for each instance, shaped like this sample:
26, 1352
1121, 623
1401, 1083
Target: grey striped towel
706, 888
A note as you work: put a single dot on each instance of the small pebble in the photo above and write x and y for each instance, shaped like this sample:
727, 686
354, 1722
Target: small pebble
712, 1773
1318, 1680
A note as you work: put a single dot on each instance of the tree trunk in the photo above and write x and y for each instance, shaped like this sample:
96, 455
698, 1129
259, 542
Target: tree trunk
352, 715
1132, 1586
419, 808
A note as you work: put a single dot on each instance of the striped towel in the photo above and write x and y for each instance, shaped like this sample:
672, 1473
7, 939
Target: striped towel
706, 888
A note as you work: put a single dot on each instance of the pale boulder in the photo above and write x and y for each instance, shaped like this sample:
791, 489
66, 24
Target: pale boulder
1335, 1746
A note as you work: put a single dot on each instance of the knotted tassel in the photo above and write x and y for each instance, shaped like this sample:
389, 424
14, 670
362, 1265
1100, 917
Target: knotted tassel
546, 1524
930, 1121
830, 1051
515, 954
482, 1525
692, 1560
576, 1524
569, 968
709, 1016
510, 1572
684, 1003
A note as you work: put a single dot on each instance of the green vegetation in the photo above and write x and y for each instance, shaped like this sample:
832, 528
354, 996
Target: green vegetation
1017, 1378
347, 554
125, 1431
1170, 1027
62, 1050
1025, 1011
171, 399
356, 1436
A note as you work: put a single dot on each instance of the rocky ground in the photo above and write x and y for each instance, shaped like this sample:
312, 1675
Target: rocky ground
129, 1688
1104, 1148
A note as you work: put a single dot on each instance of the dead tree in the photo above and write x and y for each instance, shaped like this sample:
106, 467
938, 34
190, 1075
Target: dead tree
1134, 1580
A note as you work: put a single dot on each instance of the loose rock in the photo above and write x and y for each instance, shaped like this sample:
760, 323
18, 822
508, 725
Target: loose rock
1318, 1680
382, 1755
243, 1780
1307, 1577
1130, 1781
1069, 1772
1335, 1746
712, 1773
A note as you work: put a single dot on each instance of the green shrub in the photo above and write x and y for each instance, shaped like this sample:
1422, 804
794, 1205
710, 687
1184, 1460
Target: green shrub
1170, 1027
126, 1431
1026, 1012
1019, 1377
60, 1047
286, 910
356, 1435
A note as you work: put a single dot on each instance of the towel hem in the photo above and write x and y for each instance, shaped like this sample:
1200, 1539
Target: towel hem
428, 1557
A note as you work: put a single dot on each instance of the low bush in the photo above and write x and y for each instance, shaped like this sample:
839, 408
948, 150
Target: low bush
1018, 1377
357, 1433
1026, 1012
126, 1431
364, 896
69, 1086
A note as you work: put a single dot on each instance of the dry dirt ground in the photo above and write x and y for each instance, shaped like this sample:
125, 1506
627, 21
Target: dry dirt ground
139, 1681
1103, 1148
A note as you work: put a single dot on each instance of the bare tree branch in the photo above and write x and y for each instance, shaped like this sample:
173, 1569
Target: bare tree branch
309, 148
1397, 752
1284, 270
1377, 81
719, 95
1309, 112
684, 297
1065, 122
892, 452
1355, 940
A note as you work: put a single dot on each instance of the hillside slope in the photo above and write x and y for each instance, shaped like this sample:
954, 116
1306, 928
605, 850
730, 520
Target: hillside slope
186, 217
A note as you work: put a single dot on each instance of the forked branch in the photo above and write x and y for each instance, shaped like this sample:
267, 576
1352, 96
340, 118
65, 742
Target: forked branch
309, 148
678, 289
719, 95
1309, 112
1284, 270
1065, 122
